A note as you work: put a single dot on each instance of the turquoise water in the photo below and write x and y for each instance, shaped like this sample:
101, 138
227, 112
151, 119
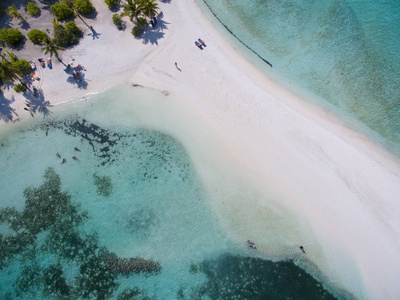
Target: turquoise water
129, 219
342, 55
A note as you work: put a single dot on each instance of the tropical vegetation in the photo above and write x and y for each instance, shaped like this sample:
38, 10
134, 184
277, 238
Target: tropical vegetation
84, 7
137, 30
117, 20
51, 48
33, 9
111, 3
13, 12
67, 35
61, 11
141, 21
72, 28
131, 9
8, 72
11, 36
20, 88
36, 36
23, 65
138, 11
148, 8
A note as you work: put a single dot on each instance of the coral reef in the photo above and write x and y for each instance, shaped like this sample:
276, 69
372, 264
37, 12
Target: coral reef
128, 265
49, 227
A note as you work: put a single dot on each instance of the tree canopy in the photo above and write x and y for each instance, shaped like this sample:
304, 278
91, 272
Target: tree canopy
11, 36
8, 71
51, 48
13, 12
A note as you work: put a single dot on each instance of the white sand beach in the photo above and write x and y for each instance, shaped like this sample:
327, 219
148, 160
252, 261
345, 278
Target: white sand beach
331, 190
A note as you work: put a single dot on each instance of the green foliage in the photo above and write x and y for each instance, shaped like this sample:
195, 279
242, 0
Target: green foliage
141, 21
84, 7
23, 65
131, 9
72, 28
49, 46
148, 7
36, 36
11, 36
33, 9
13, 12
8, 72
117, 20
61, 11
63, 37
111, 3
12, 56
20, 88
103, 184
137, 30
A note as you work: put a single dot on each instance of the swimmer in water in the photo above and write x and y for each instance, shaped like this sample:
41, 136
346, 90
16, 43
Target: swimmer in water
302, 249
58, 154
74, 158
250, 242
76, 149
253, 246
64, 160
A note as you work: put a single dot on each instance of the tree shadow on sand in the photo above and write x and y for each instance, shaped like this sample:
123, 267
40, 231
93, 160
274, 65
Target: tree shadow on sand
79, 80
37, 103
6, 111
154, 33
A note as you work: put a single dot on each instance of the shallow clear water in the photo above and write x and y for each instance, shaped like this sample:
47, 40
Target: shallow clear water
132, 193
343, 55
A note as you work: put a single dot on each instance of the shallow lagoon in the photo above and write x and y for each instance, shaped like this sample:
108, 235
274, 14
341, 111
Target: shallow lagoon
133, 192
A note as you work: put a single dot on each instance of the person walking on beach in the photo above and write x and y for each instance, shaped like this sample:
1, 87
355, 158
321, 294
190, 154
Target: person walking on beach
176, 65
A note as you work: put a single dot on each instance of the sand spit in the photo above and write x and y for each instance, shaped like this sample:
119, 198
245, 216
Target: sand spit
330, 189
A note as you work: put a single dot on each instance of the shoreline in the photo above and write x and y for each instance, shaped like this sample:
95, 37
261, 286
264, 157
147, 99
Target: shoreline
325, 174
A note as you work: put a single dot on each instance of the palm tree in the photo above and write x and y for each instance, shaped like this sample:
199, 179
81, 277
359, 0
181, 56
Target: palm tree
13, 12
131, 9
8, 71
148, 8
51, 48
